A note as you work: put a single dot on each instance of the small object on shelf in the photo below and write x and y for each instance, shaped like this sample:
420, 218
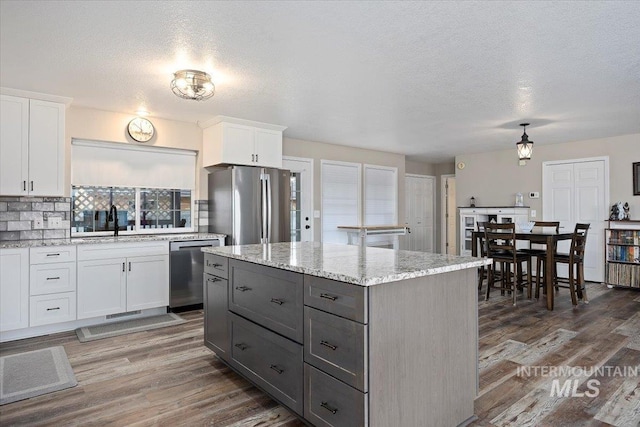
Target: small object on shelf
473, 202
519, 199
620, 212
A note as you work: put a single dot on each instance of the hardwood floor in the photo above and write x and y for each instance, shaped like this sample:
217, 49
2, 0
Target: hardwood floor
167, 377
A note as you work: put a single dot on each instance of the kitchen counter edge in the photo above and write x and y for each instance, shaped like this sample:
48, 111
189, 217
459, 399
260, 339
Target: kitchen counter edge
109, 239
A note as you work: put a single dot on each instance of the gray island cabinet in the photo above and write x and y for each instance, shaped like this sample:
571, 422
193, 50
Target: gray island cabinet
348, 335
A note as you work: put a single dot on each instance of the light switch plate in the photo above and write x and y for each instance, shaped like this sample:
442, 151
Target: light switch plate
533, 213
54, 222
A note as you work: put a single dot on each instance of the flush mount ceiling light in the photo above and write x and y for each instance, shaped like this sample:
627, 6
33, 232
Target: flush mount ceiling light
192, 84
525, 147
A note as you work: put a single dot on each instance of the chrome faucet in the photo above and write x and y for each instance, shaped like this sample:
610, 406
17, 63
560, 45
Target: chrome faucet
113, 216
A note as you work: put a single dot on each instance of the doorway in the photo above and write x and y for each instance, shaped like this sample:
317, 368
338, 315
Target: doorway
577, 191
301, 197
420, 212
448, 214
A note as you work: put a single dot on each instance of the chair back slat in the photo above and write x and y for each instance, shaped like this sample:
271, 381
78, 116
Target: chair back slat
578, 242
547, 224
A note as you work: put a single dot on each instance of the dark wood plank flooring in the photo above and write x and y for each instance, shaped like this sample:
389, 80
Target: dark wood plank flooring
167, 376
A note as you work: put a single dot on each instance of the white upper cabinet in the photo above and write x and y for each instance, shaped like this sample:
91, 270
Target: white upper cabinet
31, 147
230, 141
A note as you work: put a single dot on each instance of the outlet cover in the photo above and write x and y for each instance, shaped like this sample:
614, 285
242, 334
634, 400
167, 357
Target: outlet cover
54, 222
37, 224
533, 213
534, 195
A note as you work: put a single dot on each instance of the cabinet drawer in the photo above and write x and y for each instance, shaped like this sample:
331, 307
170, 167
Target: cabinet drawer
54, 308
48, 255
87, 252
216, 265
268, 296
52, 278
329, 402
216, 330
271, 361
335, 297
336, 345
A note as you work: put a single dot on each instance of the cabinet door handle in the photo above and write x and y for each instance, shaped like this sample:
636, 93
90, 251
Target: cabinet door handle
129, 266
123, 266
243, 288
31, 185
253, 157
326, 344
326, 406
256, 158
53, 308
277, 301
241, 346
275, 368
53, 278
329, 297
24, 185
53, 254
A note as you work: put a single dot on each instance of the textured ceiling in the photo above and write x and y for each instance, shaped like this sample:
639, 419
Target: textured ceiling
427, 79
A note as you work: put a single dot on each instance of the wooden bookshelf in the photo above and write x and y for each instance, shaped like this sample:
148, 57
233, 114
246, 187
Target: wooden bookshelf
622, 254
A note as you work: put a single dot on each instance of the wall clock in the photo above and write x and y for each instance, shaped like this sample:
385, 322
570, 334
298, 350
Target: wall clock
140, 129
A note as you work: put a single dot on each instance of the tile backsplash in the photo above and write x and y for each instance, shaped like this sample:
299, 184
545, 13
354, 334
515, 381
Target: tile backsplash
24, 218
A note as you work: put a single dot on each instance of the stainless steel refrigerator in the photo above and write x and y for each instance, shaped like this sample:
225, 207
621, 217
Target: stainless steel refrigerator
250, 204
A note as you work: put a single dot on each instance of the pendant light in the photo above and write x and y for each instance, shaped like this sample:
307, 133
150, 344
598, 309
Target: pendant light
525, 147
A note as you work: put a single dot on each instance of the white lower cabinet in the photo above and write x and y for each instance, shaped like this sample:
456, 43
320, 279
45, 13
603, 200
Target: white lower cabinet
111, 285
52, 308
14, 289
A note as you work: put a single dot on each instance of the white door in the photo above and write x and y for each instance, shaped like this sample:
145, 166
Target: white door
301, 197
147, 282
448, 214
419, 211
102, 287
576, 192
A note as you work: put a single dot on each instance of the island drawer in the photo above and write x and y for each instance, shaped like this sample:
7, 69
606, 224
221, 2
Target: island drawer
268, 296
216, 331
216, 265
342, 299
271, 361
49, 255
52, 278
336, 345
329, 402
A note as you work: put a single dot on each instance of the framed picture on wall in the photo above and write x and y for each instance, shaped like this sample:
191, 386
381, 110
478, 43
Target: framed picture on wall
636, 179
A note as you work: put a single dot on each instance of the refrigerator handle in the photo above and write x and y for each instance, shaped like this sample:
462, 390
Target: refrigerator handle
263, 210
269, 209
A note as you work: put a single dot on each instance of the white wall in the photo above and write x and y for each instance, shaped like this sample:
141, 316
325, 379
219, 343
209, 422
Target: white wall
494, 178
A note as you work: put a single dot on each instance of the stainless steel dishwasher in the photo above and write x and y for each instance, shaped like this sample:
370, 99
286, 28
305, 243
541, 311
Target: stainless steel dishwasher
186, 269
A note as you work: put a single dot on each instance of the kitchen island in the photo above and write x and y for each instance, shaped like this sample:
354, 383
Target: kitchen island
348, 335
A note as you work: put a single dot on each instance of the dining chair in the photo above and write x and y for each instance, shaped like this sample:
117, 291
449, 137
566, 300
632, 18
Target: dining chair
483, 271
540, 251
575, 260
501, 247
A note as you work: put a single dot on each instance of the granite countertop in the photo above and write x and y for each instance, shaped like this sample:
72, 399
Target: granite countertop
364, 266
108, 239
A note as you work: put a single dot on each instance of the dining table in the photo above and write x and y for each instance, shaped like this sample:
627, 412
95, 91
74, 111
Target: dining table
549, 238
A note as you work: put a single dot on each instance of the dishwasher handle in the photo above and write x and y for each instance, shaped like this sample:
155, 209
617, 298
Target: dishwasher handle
176, 246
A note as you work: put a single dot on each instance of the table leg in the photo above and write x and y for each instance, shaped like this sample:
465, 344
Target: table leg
548, 272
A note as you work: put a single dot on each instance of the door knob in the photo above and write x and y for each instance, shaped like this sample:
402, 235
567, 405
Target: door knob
307, 227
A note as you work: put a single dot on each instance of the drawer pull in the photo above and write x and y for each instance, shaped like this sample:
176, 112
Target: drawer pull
278, 370
216, 265
213, 279
53, 278
326, 406
243, 288
241, 346
53, 308
329, 297
277, 301
53, 254
326, 344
